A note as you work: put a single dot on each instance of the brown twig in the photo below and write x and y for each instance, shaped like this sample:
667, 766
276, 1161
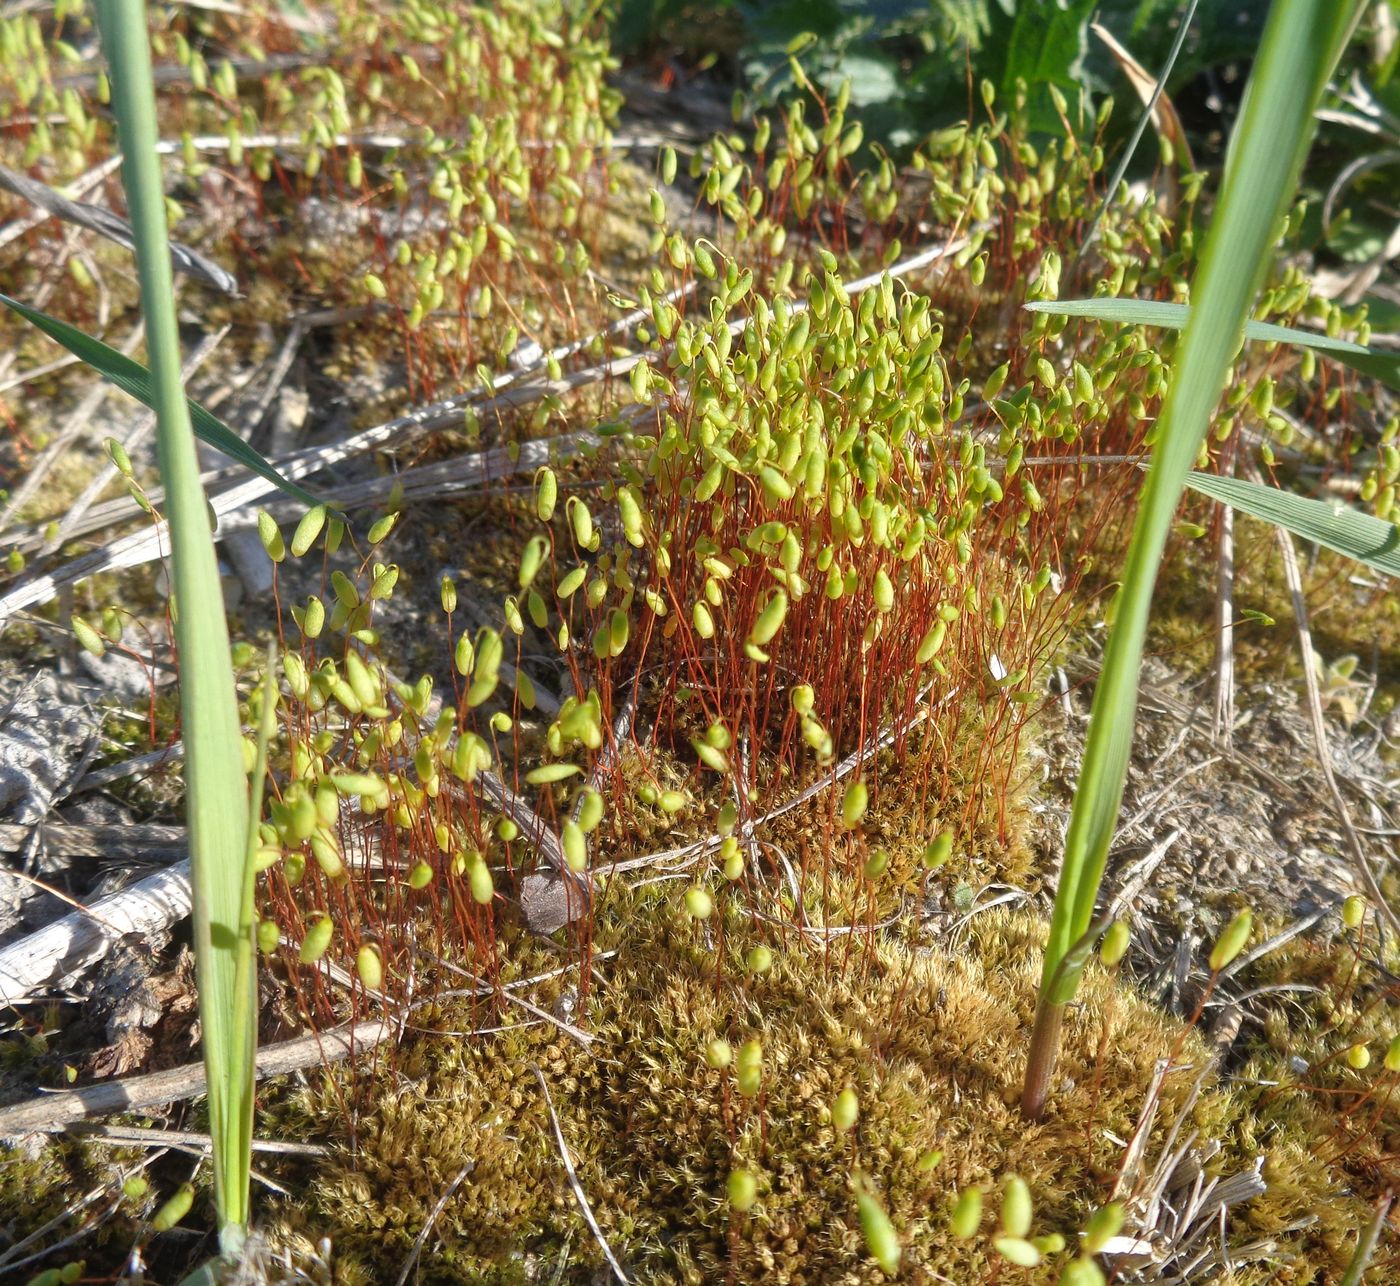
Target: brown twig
55, 1111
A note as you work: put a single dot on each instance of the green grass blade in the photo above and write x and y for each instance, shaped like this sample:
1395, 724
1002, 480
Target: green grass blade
1300, 44
1337, 527
131, 377
243, 1056
216, 787
1376, 363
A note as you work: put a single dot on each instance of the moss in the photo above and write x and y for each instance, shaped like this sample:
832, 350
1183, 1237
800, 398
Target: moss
930, 1038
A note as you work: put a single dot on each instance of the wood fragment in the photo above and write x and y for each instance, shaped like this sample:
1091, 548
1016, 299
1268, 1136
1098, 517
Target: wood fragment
111, 842
61, 951
132, 1093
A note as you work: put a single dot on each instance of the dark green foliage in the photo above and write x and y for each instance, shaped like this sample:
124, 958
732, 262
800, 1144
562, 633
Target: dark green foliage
915, 66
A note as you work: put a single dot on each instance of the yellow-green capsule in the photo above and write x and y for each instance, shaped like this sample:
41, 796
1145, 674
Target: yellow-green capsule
308, 529
548, 774
1115, 943
630, 512
582, 522
698, 903
1232, 940
883, 592
590, 811
938, 850
743, 1190
619, 627
1082, 1272
748, 1071
1104, 1224
995, 381
770, 620
88, 638
271, 536
712, 759
1354, 911
1392, 1055
1016, 1207
369, 964
759, 960
967, 1213
854, 803
313, 620
464, 655
531, 559
546, 493
575, 846
317, 939
1018, 1250
932, 642
719, 1053
269, 937
175, 1209
845, 1110
479, 880
569, 585
880, 1237
326, 850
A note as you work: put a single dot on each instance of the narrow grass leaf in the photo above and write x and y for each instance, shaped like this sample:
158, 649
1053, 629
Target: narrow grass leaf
216, 788
133, 378
1300, 45
1335, 526
1375, 362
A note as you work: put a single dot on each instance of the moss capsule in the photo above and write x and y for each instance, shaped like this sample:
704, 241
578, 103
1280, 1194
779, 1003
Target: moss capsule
854, 803
1232, 940
308, 530
743, 1190
748, 1070
1016, 1207
479, 880
369, 964
967, 1213
881, 1239
174, 1209
1115, 943
1104, 1224
317, 939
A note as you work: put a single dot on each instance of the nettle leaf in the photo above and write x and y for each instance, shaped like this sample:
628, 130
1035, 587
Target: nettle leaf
133, 378
1336, 526
1377, 363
